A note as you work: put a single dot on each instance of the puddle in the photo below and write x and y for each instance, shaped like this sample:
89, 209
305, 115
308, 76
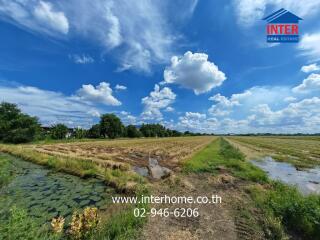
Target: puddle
153, 171
307, 181
45, 193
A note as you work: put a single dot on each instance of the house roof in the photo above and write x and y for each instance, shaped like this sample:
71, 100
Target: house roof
282, 16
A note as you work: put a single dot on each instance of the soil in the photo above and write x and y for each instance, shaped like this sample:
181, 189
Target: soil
215, 221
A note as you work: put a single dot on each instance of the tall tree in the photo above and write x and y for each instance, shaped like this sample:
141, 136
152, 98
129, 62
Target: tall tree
59, 131
111, 126
132, 131
94, 131
15, 126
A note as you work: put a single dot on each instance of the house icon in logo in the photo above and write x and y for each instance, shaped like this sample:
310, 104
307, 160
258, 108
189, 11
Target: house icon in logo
282, 26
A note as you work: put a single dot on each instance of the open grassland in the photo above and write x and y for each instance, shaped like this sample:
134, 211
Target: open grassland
303, 152
168, 151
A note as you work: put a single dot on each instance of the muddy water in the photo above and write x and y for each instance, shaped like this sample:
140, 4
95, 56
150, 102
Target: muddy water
307, 181
45, 193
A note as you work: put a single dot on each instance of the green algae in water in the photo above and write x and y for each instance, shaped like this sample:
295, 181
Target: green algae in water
45, 193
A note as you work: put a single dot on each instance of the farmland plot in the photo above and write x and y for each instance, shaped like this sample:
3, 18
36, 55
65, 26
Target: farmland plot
300, 151
168, 151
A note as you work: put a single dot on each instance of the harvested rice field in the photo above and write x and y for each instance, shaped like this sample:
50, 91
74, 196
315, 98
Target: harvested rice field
168, 151
302, 152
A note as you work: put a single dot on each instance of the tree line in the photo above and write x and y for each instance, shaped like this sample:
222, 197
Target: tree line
18, 127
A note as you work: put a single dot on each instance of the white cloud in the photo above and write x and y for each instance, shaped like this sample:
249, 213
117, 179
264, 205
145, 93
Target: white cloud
194, 71
137, 33
169, 109
250, 12
120, 87
157, 100
310, 84
51, 107
81, 59
56, 20
127, 118
295, 114
290, 99
310, 68
39, 16
223, 106
99, 94
309, 45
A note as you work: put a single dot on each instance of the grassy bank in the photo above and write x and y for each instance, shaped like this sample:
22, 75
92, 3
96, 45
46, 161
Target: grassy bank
286, 206
123, 181
220, 154
4, 173
284, 209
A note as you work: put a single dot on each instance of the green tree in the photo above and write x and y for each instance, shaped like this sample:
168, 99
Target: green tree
15, 126
94, 131
132, 131
111, 126
59, 131
79, 133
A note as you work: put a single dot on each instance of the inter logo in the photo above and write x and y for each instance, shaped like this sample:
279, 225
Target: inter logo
282, 26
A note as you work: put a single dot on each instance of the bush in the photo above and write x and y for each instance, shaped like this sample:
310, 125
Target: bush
300, 214
16, 127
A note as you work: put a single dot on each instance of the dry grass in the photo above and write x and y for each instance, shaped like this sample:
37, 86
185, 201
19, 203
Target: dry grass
121, 153
300, 151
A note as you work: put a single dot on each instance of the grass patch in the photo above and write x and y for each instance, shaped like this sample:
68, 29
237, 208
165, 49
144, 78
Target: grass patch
123, 181
4, 170
220, 153
285, 205
19, 226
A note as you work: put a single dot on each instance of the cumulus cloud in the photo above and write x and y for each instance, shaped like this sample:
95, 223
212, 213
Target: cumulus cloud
309, 45
224, 105
51, 107
310, 68
127, 118
310, 84
157, 100
81, 59
99, 94
120, 87
194, 71
295, 114
39, 16
250, 12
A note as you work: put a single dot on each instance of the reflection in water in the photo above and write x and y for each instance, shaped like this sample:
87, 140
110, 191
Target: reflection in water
307, 181
46, 193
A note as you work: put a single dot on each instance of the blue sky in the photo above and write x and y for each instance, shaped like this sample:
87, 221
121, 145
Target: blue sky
191, 65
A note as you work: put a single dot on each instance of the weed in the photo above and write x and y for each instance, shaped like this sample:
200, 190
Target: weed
300, 214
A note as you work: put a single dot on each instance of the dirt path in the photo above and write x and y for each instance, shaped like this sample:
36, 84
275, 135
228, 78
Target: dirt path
216, 221
250, 152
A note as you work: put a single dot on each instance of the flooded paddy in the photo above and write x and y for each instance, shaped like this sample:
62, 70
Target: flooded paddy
307, 181
45, 193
